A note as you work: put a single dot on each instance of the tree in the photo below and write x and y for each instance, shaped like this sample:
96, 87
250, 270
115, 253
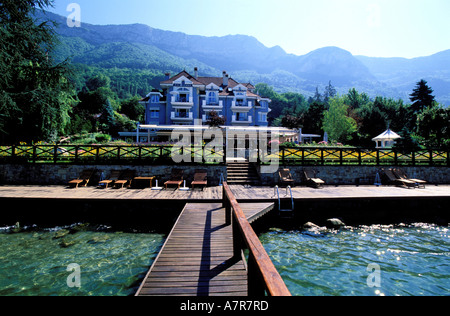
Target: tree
313, 118
336, 123
433, 126
317, 96
356, 100
292, 122
407, 143
422, 97
35, 92
330, 92
133, 109
107, 119
215, 120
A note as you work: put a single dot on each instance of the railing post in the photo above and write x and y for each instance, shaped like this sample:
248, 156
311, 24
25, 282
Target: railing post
97, 154
359, 156
256, 286
378, 157
431, 158
34, 153
77, 148
237, 238
227, 206
55, 154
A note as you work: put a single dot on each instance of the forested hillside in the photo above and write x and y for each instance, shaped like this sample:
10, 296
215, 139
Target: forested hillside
88, 81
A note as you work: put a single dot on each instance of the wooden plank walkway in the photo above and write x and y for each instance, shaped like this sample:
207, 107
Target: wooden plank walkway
214, 194
197, 258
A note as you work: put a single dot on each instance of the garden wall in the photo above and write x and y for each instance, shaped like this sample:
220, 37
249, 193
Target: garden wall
363, 175
50, 174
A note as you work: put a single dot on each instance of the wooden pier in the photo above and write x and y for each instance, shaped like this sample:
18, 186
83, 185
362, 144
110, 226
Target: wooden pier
203, 254
198, 257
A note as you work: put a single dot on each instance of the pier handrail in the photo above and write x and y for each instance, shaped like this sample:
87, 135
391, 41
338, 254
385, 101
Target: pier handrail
276, 193
290, 193
262, 274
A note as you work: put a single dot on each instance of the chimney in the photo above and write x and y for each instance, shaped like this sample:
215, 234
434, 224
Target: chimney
196, 72
225, 79
167, 74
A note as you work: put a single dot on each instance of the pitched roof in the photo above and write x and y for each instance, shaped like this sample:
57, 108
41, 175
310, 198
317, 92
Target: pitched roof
218, 81
387, 135
181, 74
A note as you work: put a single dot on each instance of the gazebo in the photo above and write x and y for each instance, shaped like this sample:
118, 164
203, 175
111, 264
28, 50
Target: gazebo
386, 140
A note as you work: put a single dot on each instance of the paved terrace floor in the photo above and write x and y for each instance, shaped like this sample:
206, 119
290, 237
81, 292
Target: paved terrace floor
211, 194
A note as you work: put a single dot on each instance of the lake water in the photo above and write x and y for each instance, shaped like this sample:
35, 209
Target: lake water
370, 260
376, 260
110, 263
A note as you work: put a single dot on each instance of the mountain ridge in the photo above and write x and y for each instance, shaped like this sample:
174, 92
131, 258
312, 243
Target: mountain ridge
249, 60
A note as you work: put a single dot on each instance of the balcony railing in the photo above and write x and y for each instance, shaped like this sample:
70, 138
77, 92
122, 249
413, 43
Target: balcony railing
240, 120
241, 106
182, 101
207, 105
182, 116
205, 118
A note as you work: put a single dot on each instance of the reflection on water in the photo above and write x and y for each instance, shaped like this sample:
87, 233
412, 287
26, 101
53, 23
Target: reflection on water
413, 260
111, 263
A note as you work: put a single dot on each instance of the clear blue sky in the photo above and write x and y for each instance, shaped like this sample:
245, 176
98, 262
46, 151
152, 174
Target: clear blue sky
378, 28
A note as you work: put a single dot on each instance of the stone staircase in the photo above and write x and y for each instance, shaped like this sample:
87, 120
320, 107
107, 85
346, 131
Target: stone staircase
242, 173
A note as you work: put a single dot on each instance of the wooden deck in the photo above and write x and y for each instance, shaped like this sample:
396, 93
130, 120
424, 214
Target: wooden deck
197, 258
214, 194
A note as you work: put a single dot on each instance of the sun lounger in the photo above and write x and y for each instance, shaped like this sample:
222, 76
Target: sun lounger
176, 178
125, 180
83, 179
311, 178
392, 179
200, 179
113, 177
399, 173
286, 177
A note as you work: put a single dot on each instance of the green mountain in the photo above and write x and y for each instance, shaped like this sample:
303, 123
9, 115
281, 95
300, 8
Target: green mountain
143, 48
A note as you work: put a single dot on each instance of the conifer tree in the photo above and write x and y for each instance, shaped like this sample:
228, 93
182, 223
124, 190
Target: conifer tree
35, 94
422, 97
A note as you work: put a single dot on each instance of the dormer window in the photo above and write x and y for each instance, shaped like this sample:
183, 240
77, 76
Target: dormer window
154, 98
212, 98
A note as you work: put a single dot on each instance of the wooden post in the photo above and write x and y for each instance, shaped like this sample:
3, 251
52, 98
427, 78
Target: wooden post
76, 153
256, 286
34, 153
359, 157
55, 154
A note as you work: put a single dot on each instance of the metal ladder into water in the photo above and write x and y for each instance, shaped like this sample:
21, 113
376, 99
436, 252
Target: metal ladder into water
285, 211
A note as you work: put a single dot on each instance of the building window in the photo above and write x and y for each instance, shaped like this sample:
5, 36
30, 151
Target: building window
263, 117
154, 114
183, 95
212, 98
181, 113
241, 117
155, 99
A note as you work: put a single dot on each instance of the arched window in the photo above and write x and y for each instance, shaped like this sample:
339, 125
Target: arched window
212, 98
